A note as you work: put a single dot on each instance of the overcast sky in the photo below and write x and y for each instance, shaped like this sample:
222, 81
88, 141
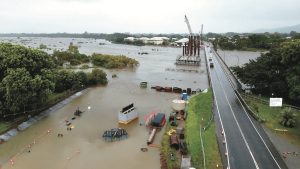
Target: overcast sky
145, 16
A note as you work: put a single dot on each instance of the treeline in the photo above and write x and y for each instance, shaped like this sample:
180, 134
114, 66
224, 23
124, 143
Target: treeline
263, 41
29, 76
58, 35
73, 56
255, 41
110, 61
114, 37
119, 38
276, 72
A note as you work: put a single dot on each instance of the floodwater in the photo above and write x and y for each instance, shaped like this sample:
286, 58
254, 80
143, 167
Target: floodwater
83, 147
238, 58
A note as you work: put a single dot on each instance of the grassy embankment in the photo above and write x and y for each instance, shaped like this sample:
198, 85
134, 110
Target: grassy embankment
273, 115
200, 113
53, 99
166, 151
199, 107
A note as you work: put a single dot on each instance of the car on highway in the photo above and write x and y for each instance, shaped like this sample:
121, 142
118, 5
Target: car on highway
211, 64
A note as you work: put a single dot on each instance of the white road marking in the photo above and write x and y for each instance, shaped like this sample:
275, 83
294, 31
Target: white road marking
239, 127
228, 163
245, 112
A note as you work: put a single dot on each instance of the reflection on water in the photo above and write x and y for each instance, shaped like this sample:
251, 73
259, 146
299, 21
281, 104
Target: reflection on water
83, 147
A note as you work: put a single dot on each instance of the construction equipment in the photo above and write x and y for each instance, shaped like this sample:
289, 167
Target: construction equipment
201, 35
191, 49
188, 25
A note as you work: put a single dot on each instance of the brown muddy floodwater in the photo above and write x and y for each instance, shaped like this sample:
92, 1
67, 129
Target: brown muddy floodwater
238, 58
83, 147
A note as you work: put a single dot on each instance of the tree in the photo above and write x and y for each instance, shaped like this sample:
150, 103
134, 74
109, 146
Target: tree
110, 61
97, 77
73, 48
277, 71
290, 52
17, 90
16, 56
288, 118
75, 58
64, 80
42, 46
26, 78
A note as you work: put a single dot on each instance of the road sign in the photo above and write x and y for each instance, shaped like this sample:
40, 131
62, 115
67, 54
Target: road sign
275, 102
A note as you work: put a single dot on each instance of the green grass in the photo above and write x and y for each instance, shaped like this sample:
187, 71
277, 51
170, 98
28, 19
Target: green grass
4, 126
57, 96
272, 115
166, 150
200, 113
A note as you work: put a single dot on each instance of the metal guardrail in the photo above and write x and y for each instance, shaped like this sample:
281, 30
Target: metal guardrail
239, 85
209, 78
263, 101
249, 110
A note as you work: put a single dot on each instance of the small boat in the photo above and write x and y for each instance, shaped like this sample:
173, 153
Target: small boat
127, 114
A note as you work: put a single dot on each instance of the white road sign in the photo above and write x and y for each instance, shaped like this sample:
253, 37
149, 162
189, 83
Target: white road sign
275, 102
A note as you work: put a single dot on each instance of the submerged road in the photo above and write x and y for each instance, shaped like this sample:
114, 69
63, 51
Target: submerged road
246, 144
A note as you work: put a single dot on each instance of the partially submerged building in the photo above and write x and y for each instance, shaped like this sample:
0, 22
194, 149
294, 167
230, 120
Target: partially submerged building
127, 114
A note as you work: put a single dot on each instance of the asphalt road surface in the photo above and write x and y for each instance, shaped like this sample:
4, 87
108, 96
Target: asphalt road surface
248, 146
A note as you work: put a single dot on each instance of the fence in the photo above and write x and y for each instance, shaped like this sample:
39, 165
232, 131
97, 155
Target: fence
264, 101
238, 89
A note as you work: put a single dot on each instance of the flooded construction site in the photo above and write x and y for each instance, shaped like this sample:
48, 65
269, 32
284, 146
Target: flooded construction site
50, 143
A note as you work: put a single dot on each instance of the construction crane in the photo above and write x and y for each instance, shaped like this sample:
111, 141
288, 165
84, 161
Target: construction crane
188, 25
201, 35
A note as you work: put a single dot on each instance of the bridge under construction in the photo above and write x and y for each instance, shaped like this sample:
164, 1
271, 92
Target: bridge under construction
191, 49
190, 52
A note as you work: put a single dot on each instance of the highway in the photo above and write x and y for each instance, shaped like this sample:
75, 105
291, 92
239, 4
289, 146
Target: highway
246, 144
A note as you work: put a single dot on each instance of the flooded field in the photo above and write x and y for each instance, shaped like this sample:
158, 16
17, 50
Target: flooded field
234, 58
83, 147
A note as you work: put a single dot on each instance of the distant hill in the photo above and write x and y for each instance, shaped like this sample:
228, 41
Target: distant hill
286, 29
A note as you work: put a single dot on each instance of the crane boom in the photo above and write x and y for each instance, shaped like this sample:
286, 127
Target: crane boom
188, 25
201, 35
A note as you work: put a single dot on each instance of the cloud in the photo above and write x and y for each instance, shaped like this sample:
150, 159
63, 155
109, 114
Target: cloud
156, 16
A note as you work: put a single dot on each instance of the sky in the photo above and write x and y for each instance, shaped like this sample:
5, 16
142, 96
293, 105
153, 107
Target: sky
145, 16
